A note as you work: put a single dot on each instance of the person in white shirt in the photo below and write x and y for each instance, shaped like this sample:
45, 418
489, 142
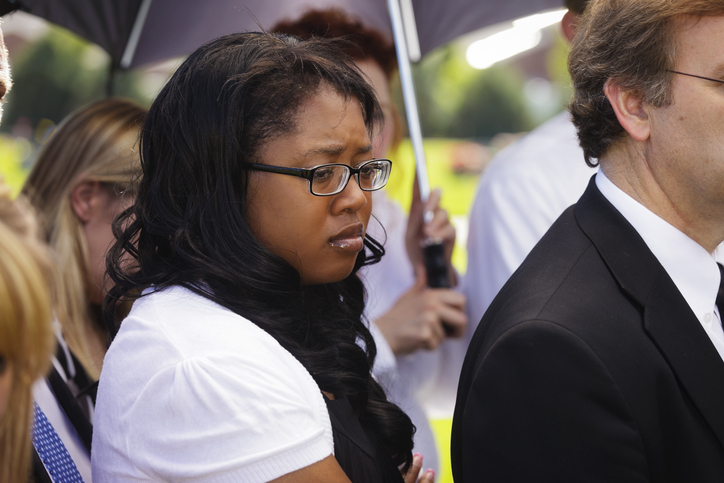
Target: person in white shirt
602, 357
521, 193
245, 357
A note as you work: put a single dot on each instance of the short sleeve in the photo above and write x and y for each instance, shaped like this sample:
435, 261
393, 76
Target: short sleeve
204, 419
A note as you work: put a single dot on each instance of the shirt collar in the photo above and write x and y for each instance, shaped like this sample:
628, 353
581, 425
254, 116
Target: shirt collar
693, 269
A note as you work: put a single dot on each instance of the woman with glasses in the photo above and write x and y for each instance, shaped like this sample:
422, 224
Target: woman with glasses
417, 329
244, 357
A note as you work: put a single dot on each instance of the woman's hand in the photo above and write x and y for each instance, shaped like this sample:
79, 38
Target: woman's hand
412, 473
416, 320
436, 227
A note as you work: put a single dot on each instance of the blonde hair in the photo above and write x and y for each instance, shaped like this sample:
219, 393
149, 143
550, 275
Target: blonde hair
26, 337
95, 143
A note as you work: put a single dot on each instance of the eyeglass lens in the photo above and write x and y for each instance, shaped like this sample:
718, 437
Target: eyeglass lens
332, 179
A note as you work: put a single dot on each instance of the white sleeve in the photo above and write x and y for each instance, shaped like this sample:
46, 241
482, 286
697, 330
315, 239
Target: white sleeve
221, 418
204, 420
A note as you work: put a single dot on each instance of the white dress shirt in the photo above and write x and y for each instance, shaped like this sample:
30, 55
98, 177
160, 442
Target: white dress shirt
693, 270
523, 191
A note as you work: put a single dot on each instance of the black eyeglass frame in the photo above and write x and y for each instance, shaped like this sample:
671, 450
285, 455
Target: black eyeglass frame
697, 76
308, 173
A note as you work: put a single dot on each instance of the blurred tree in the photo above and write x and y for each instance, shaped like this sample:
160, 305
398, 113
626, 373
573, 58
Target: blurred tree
557, 63
492, 104
58, 74
457, 101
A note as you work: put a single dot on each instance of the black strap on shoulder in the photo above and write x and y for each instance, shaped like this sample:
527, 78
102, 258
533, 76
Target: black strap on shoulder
72, 409
87, 386
40, 474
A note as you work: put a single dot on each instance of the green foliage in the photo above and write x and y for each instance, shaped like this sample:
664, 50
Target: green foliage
58, 74
557, 64
492, 104
457, 101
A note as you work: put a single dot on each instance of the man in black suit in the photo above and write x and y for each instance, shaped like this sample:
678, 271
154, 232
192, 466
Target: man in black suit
602, 358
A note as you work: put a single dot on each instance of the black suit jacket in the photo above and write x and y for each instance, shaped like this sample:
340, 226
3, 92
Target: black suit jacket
589, 366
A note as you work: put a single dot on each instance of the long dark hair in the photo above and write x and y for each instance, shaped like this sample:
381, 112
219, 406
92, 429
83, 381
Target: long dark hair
187, 226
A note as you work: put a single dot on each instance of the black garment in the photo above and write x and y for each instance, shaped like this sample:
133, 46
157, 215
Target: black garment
361, 460
720, 292
590, 366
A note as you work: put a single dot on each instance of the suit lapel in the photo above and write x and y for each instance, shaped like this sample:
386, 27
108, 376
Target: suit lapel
688, 350
667, 318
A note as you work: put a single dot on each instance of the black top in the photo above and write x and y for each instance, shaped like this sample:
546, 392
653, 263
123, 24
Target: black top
355, 452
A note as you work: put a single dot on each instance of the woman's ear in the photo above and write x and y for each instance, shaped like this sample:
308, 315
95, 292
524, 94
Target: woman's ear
84, 199
630, 110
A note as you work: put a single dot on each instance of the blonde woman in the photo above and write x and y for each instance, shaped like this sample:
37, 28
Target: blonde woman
26, 337
78, 185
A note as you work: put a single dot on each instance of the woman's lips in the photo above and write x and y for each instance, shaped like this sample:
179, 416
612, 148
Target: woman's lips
349, 239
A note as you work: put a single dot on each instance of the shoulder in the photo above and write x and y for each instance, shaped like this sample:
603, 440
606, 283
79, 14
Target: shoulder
190, 388
543, 394
546, 161
566, 288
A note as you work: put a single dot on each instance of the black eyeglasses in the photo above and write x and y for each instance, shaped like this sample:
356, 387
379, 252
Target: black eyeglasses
697, 76
330, 179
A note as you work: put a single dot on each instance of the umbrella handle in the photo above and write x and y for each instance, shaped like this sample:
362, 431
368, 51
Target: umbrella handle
436, 267
435, 264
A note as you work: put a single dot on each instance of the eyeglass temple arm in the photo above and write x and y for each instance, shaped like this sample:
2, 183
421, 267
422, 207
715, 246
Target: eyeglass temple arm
301, 172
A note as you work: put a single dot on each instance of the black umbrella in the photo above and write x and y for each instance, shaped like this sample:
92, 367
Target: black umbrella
136, 32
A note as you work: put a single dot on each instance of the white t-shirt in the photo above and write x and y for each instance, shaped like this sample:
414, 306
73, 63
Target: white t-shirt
192, 391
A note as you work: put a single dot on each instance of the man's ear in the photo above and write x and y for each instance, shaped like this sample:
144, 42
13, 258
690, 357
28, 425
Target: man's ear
630, 110
568, 25
84, 199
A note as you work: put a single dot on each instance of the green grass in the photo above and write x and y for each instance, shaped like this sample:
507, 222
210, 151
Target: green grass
12, 153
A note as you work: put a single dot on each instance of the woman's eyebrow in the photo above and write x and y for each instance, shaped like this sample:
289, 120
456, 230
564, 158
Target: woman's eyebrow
365, 149
333, 150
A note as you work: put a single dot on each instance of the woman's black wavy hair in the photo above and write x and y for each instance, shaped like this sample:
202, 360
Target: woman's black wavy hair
188, 227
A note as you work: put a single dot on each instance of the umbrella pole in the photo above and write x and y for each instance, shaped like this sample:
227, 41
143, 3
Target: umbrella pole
404, 29
408, 90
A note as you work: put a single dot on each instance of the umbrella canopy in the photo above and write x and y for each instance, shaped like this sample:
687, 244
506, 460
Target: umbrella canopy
136, 32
